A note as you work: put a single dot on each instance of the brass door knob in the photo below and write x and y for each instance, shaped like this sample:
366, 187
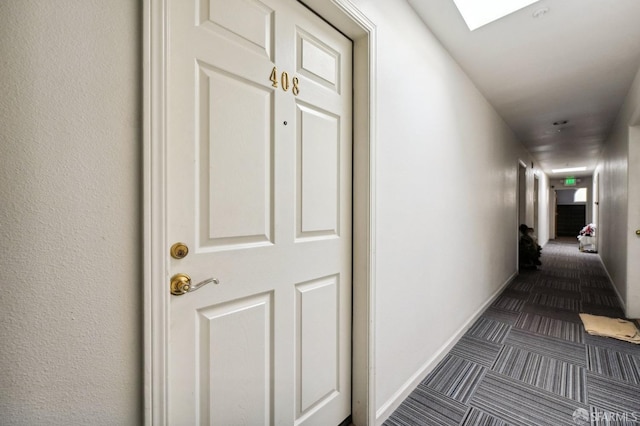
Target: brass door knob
181, 284
637, 231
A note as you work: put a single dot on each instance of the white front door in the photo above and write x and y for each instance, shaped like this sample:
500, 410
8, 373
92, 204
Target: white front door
259, 190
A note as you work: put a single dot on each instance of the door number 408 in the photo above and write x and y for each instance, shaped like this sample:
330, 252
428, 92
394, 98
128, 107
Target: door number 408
285, 81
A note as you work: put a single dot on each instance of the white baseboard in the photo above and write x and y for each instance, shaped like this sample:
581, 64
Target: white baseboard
620, 299
394, 402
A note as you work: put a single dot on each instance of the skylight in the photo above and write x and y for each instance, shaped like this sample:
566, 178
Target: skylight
478, 13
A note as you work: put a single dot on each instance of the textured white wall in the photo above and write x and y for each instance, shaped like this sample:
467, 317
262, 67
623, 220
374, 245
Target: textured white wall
446, 201
70, 305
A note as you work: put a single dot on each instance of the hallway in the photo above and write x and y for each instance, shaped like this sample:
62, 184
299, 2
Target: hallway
455, 136
528, 361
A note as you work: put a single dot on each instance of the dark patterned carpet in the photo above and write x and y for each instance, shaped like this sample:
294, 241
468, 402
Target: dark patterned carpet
528, 361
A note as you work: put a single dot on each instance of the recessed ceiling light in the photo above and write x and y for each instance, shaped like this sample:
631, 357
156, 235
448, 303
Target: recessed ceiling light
569, 169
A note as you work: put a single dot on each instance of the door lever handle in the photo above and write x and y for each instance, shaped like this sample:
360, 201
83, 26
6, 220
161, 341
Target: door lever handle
181, 284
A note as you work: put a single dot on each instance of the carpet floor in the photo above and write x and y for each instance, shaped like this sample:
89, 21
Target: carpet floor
528, 361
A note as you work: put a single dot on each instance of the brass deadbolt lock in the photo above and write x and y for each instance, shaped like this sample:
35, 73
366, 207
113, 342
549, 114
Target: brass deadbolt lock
179, 250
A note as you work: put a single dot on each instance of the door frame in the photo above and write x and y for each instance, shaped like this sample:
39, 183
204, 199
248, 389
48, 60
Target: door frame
344, 16
522, 192
521, 205
553, 213
536, 204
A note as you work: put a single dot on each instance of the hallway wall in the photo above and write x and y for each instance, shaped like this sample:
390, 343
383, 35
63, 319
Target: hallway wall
70, 235
619, 194
446, 199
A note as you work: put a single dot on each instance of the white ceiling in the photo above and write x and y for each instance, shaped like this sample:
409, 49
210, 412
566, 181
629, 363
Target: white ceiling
576, 63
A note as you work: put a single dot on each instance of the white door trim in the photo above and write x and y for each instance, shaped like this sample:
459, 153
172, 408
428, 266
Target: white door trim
519, 204
347, 18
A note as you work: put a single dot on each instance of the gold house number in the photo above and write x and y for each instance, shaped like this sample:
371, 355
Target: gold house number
285, 82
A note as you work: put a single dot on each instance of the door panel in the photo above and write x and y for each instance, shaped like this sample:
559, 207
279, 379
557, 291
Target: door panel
259, 188
236, 341
318, 62
317, 342
318, 173
235, 140
248, 22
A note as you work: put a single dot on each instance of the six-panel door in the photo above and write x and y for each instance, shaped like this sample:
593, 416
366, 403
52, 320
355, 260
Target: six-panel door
259, 188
